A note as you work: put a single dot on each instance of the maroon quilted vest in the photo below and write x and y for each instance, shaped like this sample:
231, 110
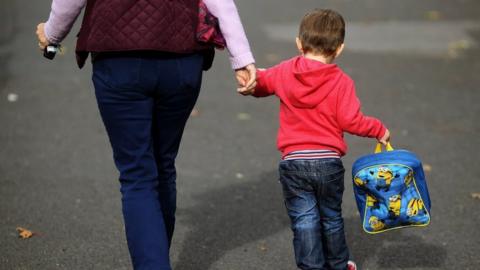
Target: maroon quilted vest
138, 25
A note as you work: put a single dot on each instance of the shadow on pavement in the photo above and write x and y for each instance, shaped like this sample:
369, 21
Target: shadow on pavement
235, 215
7, 34
231, 217
395, 249
4, 73
7, 21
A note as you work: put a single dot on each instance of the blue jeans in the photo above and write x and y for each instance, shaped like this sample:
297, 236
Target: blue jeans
313, 191
144, 103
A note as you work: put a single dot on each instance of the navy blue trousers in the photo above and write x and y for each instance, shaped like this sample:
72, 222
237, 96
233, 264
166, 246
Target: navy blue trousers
145, 102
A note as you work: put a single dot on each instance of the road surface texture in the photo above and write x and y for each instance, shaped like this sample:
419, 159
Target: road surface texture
416, 65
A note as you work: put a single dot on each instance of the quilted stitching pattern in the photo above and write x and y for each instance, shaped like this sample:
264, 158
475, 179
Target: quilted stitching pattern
117, 25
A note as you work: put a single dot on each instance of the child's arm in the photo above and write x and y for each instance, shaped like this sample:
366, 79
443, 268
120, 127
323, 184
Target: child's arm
353, 121
266, 79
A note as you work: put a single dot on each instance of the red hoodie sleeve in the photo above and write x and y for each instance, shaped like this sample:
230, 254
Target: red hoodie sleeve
265, 82
351, 118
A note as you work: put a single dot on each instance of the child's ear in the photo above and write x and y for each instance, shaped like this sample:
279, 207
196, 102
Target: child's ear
339, 50
299, 45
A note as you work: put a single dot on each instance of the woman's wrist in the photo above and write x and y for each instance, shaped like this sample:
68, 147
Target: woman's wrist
47, 32
242, 60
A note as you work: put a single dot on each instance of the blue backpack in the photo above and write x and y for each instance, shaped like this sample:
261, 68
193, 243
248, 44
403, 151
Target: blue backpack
390, 190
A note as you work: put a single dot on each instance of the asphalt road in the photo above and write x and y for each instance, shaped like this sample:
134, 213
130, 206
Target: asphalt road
416, 65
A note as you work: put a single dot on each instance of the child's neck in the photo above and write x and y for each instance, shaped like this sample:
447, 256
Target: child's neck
319, 57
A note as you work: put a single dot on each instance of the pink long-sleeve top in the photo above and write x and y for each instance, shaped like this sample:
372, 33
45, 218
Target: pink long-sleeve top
65, 12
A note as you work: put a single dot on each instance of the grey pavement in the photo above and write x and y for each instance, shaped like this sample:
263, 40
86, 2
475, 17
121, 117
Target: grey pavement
416, 65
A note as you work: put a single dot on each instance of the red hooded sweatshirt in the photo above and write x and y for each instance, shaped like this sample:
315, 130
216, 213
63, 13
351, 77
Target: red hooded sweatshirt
317, 104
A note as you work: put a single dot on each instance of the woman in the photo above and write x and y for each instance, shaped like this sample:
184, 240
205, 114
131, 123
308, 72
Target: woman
147, 70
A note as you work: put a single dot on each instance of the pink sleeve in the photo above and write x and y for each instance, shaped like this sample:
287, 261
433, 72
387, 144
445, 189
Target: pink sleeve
62, 16
232, 30
351, 118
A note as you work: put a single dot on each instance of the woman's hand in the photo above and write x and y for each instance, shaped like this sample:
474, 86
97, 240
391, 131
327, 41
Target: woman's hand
247, 79
42, 39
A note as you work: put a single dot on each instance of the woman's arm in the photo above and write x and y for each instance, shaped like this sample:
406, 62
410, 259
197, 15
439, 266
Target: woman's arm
62, 16
232, 30
64, 13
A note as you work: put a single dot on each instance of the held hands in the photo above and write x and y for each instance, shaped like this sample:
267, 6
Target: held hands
42, 39
247, 79
386, 138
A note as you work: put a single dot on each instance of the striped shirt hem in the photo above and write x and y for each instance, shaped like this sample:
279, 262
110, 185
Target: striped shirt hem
311, 154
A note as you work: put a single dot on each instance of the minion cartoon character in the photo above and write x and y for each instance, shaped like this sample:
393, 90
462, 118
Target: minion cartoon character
376, 224
394, 205
384, 178
359, 182
371, 200
408, 178
414, 207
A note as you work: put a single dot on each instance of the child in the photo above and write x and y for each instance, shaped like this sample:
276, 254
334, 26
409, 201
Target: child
317, 104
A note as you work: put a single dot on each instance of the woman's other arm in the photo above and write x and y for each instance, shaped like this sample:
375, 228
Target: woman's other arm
62, 16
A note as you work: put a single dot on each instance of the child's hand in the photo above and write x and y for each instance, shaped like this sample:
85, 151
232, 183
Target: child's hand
386, 138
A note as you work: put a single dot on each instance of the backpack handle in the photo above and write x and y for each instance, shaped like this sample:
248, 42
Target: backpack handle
388, 148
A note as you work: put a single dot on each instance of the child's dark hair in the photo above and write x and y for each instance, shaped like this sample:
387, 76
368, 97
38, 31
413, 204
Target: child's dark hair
322, 31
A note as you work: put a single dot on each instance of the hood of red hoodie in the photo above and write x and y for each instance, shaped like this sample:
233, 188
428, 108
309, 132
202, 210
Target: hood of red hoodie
314, 81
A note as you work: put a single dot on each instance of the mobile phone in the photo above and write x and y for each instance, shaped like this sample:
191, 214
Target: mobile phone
50, 51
